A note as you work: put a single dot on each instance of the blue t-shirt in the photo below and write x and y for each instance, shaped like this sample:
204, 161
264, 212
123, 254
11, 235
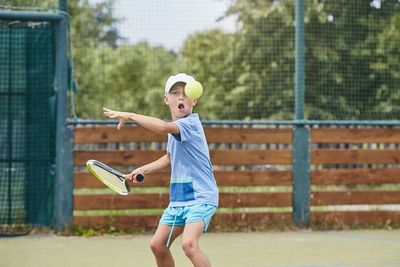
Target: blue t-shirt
192, 177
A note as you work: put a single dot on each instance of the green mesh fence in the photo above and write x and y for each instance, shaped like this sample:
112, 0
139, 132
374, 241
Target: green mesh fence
243, 53
28, 5
27, 126
245, 60
352, 67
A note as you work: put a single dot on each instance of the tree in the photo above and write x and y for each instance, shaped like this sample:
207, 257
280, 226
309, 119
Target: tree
208, 55
129, 77
263, 60
351, 62
344, 59
124, 77
349, 48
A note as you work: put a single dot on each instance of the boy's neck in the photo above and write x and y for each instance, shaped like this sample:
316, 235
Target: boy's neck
175, 119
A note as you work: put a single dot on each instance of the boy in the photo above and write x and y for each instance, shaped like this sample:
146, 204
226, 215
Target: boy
193, 190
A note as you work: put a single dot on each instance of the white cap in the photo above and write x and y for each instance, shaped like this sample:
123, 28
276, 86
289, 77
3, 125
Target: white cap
180, 77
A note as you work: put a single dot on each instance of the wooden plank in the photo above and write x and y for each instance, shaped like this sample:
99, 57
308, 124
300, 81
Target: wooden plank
356, 218
132, 201
248, 135
145, 222
224, 178
220, 221
253, 200
343, 156
253, 221
233, 221
355, 136
147, 201
218, 157
355, 176
254, 178
251, 157
355, 198
118, 158
106, 134
87, 180
250, 220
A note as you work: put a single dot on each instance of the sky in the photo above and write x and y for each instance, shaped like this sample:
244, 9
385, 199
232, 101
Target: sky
169, 22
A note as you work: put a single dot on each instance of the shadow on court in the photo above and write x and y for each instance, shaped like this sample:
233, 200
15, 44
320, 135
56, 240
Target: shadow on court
362, 248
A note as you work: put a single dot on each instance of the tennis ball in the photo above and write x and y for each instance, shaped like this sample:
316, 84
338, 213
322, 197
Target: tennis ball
193, 89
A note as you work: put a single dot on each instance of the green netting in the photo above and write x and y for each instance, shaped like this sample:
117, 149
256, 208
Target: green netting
352, 66
28, 5
27, 126
247, 68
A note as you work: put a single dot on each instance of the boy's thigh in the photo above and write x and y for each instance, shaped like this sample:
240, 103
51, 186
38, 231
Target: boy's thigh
163, 231
193, 231
199, 213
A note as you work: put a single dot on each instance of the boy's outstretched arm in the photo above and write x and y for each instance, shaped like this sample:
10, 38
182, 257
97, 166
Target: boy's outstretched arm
153, 124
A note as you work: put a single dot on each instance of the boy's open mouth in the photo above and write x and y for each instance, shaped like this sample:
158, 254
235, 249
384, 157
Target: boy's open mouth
181, 106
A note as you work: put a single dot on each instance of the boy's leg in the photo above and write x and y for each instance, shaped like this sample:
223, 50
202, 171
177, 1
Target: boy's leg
190, 244
158, 244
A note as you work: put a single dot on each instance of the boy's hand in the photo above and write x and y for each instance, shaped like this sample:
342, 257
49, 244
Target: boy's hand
122, 116
132, 176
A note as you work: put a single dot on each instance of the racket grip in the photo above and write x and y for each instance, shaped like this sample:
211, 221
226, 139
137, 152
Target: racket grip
139, 177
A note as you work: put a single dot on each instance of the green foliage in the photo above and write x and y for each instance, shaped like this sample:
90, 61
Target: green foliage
92, 26
30, 4
348, 71
265, 53
122, 77
351, 62
213, 69
125, 78
352, 71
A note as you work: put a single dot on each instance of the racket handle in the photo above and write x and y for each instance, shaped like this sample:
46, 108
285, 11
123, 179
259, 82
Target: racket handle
139, 177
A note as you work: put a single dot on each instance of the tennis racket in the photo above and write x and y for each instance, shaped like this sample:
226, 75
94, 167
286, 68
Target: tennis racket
111, 178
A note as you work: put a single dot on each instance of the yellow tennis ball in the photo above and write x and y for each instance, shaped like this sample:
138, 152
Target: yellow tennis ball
193, 90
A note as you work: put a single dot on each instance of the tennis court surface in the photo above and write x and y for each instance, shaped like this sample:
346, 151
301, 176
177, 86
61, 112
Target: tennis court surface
357, 248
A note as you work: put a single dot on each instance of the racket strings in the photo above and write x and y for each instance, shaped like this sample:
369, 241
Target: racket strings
110, 179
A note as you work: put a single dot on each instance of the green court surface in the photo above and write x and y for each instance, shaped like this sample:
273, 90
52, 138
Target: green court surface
361, 248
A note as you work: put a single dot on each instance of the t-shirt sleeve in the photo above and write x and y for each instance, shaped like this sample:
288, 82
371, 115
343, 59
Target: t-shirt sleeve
186, 127
168, 148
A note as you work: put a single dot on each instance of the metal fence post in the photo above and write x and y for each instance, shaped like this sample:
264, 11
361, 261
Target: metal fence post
63, 5
301, 175
301, 136
63, 184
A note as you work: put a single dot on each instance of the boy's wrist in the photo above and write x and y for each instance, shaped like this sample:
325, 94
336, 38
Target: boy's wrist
131, 115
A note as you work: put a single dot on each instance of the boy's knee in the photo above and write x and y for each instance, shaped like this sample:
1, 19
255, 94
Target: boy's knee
157, 247
189, 247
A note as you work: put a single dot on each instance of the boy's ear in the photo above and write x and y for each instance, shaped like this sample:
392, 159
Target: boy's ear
166, 100
194, 102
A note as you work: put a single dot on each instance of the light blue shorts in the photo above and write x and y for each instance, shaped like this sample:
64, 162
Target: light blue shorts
180, 216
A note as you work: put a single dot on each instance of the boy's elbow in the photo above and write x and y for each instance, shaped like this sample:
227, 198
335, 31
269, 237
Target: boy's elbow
164, 128
169, 127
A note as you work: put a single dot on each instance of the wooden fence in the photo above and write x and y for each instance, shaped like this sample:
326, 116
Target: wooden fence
351, 169
356, 180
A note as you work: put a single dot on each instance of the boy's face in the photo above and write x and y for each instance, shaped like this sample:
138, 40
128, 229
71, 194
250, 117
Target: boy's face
180, 105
